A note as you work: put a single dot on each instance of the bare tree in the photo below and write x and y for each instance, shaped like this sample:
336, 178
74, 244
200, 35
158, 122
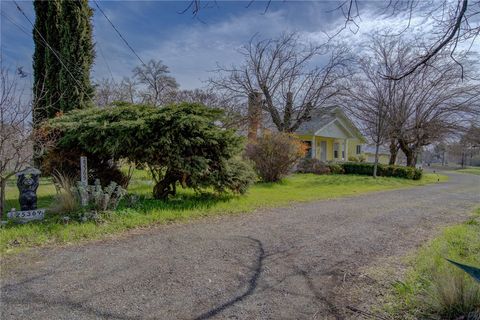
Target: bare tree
105, 92
429, 105
369, 95
128, 90
432, 103
158, 85
16, 134
108, 90
233, 107
454, 22
282, 70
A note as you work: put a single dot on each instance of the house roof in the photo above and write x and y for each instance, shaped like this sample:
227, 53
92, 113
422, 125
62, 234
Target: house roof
324, 117
318, 120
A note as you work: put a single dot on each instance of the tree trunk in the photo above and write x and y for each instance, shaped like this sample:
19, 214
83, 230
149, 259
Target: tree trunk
254, 115
165, 187
287, 116
393, 152
410, 158
409, 153
3, 185
375, 166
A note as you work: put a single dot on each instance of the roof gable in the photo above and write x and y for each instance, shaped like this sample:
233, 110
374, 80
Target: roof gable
335, 129
330, 121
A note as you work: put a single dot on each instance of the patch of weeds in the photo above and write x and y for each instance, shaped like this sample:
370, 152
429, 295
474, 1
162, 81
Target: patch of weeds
433, 288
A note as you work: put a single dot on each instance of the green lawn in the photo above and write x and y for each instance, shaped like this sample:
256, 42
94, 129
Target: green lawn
435, 289
188, 205
472, 170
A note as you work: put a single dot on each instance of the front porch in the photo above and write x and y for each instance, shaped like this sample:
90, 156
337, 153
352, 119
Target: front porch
330, 149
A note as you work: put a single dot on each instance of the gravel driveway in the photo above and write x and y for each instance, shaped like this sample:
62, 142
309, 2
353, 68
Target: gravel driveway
288, 263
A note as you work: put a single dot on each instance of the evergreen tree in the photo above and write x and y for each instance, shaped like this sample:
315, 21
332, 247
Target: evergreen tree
66, 27
77, 47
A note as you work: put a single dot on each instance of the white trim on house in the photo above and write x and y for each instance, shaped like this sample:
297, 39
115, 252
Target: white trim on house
335, 129
343, 124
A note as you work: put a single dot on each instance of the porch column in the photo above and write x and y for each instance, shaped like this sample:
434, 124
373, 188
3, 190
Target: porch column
345, 150
314, 147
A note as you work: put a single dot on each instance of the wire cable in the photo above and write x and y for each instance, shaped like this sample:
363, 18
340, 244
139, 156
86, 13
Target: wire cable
119, 34
105, 60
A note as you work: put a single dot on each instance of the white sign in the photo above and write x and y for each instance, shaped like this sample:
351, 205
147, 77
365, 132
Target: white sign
83, 170
28, 215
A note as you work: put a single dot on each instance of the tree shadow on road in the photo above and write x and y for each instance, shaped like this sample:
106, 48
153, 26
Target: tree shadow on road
252, 284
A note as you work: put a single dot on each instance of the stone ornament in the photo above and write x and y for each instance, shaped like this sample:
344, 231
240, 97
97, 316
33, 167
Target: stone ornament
27, 183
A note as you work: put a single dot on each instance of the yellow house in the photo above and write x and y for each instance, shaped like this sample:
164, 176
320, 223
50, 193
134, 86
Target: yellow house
383, 154
331, 136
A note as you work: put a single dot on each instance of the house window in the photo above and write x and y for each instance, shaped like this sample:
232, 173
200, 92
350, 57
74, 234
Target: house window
359, 149
335, 150
309, 149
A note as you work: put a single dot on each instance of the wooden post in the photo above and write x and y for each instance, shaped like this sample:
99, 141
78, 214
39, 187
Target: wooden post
84, 177
314, 147
345, 150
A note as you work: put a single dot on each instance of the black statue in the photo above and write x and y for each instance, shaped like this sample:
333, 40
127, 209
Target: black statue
27, 183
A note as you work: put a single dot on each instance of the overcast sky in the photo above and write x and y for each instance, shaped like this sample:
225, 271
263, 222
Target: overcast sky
190, 46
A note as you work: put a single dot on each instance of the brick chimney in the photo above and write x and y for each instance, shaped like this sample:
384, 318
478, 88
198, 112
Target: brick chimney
254, 115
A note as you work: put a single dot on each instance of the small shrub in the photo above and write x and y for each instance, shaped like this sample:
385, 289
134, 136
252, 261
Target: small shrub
362, 158
417, 175
101, 199
237, 176
275, 154
131, 200
352, 159
312, 165
68, 200
336, 168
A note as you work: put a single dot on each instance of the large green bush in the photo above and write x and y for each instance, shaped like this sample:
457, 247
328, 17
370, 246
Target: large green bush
382, 170
180, 144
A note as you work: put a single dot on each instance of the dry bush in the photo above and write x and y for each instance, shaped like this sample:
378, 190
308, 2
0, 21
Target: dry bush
66, 200
275, 154
312, 165
453, 295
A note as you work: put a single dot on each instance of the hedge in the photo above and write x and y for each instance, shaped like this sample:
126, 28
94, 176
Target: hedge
382, 170
312, 165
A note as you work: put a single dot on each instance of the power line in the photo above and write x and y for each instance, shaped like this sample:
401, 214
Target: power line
53, 50
106, 62
14, 23
119, 34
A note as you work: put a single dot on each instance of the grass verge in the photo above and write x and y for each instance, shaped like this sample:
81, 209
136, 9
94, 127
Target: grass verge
189, 205
435, 289
471, 170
